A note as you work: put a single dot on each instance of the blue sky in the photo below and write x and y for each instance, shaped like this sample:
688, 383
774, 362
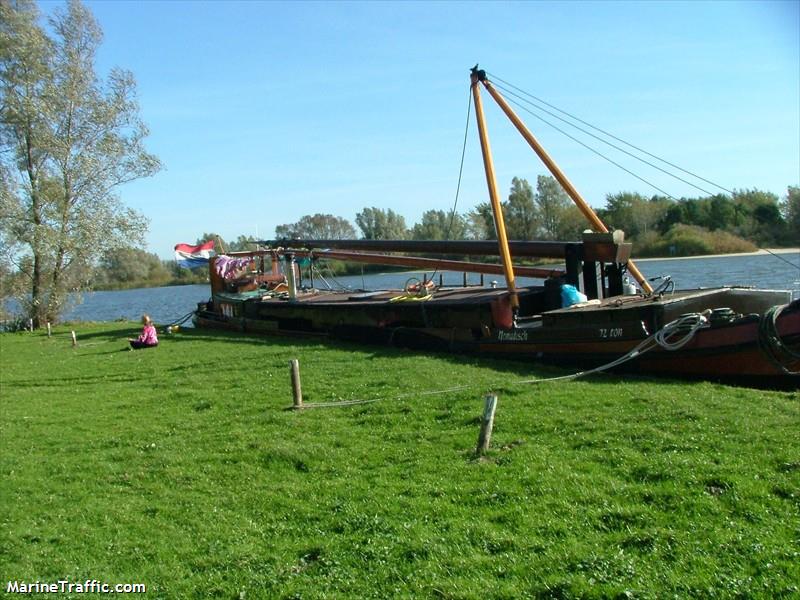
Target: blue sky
265, 112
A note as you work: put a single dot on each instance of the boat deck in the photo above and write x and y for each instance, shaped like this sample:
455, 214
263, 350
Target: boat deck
449, 296
739, 299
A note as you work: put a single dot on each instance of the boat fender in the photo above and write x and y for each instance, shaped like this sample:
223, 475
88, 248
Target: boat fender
628, 287
502, 312
570, 295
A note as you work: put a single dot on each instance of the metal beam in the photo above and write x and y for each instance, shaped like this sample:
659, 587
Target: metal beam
456, 247
431, 263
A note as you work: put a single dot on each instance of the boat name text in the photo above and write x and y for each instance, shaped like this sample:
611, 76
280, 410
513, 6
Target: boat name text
512, 336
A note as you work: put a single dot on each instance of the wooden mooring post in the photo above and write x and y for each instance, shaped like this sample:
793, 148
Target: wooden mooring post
297, 392
487, 423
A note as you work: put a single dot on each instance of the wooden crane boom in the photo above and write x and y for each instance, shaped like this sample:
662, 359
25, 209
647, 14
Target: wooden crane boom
480, 76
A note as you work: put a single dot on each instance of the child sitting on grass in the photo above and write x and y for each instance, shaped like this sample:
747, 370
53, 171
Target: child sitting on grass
148, 338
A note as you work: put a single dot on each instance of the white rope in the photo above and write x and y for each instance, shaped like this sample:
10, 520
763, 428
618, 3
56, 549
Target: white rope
693, 321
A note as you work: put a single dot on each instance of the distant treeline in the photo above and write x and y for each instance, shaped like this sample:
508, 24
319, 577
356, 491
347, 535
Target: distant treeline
658, 226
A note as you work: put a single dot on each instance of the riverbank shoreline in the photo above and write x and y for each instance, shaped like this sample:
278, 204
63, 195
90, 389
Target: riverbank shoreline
762, 252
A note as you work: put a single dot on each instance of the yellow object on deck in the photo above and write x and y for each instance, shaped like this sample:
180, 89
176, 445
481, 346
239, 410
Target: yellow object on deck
411, 298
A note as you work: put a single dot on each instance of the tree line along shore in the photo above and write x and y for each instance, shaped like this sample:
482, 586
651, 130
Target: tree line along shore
658, 227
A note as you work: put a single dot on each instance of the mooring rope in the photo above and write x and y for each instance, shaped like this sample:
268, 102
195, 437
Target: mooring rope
182, 319
771, 344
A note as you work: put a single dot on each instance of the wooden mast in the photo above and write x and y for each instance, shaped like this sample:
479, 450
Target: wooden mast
582, 205
494, 196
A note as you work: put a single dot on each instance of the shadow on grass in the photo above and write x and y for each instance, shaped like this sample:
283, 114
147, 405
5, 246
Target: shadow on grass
88, 380
514, 368
125, 348
121, 333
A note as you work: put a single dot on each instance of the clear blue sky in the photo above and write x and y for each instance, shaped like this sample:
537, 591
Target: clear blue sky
265, 112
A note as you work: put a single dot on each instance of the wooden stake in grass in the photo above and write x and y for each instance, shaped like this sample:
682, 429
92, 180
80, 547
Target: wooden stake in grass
297, 392
74, 339
30, 325
48, 329
485, 436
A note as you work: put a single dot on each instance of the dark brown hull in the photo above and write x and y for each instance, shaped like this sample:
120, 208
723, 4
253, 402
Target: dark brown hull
466, 321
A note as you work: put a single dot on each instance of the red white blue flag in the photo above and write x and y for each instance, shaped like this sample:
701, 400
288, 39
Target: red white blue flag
190, 257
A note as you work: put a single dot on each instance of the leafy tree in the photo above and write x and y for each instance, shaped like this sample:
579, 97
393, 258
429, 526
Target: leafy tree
768, 215
519, 211
572, 224
552, 203
240, 244
791, 214
379, 224
695, 212
750, 199
754, 215
220, 245
439, 225
319, 227
636, 215
770, 223
758, 215
671, 217
131, 266
181, 275
480, 223
721, 213
124, 265
70, 141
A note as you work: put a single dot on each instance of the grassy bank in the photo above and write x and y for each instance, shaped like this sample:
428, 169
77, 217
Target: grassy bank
178, 467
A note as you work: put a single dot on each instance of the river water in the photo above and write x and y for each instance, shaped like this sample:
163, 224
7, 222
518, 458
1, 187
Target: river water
168, 304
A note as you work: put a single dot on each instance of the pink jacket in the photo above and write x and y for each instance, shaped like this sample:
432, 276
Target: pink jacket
149, 336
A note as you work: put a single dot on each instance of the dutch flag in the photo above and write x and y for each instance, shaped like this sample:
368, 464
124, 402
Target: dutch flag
190, 257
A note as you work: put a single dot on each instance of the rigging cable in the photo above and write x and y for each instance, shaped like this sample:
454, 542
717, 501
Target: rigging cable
460, 167
331, 275
597, 137
319, 274
460, 174
788, 262
597, 152
611, 135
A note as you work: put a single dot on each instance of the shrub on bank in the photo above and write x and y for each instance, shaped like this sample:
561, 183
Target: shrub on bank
690, 240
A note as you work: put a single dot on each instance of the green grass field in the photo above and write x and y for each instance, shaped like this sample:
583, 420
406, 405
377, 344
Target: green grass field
181, 468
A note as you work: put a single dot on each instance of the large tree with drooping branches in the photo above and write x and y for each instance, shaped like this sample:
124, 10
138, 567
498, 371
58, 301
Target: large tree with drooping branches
68, 141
